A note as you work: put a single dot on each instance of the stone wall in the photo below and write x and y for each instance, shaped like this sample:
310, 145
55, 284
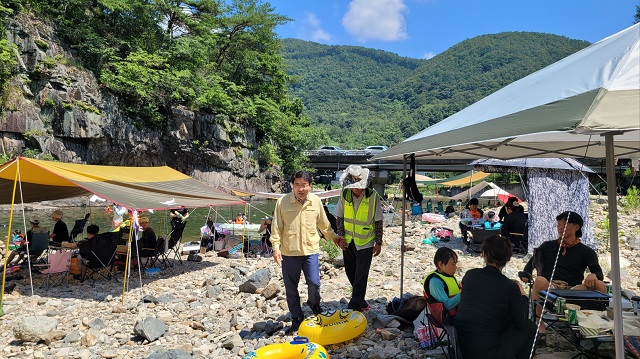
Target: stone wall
57, 107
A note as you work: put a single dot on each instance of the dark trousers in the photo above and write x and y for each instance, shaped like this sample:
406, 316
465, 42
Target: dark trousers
291, 267
356, 266
465, 236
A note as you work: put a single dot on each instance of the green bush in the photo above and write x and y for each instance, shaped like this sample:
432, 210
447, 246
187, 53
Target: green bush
41, 44
329, 248
49, 103
67, 105
632, 199
85, 107
268, 155
49, 63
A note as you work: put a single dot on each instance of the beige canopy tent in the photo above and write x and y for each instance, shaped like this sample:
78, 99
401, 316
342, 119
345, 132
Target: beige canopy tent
572, 108
25, 180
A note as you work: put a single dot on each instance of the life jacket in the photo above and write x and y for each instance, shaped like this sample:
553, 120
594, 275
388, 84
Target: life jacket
451, 287
360, 226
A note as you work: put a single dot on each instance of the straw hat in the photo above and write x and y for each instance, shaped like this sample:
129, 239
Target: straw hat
355, 177
34, 219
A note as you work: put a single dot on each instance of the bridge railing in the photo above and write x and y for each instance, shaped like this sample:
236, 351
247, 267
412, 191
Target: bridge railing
310, 153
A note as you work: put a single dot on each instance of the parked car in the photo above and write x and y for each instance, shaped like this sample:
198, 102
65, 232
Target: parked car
374, 150
330, 151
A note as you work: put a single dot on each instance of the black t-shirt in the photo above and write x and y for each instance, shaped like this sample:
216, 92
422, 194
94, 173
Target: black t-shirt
148, 238
516, 222
571, 266
61, 231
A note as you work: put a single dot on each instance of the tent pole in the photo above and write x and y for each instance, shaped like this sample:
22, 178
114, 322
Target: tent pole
126, 263
613, 235
404, 221
6, 246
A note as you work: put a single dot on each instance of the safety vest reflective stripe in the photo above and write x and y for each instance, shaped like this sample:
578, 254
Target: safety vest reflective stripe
359, 226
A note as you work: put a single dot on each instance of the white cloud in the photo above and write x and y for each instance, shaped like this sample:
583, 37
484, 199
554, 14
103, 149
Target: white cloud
428, 55
376, 20
320, 35
312, 29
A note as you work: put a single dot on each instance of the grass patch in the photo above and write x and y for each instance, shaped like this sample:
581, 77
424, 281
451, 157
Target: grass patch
41, 44
88, 108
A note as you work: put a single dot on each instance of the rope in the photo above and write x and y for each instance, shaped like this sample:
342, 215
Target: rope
544, 303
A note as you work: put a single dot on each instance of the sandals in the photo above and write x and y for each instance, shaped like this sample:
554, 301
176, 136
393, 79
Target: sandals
541, 339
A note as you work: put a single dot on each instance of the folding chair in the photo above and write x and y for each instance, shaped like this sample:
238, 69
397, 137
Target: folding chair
57, 269
175, 239
78, 227
440, 327
37, 246
478, 235
154, 255
97, 257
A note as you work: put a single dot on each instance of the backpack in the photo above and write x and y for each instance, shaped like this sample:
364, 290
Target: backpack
408, 307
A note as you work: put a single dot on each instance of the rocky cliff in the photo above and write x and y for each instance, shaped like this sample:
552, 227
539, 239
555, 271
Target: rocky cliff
57, 107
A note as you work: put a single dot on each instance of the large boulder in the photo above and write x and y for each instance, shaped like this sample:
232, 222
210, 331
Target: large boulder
34, 328
257, 280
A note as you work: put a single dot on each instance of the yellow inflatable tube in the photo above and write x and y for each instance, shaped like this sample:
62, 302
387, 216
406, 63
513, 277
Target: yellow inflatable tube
334, 326
299, 348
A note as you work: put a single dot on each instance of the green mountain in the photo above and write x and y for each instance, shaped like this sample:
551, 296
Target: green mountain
364, 97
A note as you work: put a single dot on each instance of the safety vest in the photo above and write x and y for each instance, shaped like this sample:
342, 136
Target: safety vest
359, 226
451, 285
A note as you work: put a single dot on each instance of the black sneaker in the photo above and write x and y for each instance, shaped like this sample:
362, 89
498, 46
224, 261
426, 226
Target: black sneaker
316, 309
295, 324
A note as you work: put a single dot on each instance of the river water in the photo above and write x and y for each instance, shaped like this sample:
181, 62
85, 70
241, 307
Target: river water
255, 211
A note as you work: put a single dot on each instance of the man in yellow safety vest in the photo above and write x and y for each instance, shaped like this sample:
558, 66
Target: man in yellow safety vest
359, 220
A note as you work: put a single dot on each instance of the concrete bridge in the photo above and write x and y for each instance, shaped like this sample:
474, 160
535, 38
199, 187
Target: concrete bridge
330, 167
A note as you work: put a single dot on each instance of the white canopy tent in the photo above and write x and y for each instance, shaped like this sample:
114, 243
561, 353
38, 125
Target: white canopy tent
563, 110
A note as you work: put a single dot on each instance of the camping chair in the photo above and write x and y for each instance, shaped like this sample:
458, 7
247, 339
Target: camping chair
97, 256
520, 241
78, 227
478, 235
440, 327
175, 238
38, 245
154, 255
57, 269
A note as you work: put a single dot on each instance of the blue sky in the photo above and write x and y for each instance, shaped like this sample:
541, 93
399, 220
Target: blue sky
425, 28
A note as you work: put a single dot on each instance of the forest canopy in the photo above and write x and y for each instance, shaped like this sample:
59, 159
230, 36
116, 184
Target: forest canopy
218, 57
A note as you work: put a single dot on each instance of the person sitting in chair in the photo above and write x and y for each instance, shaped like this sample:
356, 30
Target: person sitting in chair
492, 315
239, 219
441, 286
92, 231
571, 259
147, 241
60, 230
491, 221
514, 225
474, 213
34, 222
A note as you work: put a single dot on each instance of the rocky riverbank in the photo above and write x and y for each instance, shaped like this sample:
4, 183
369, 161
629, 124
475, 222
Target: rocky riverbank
224, 308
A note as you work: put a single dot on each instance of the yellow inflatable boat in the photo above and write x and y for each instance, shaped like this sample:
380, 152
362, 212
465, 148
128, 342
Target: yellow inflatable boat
333, 326
299, 348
